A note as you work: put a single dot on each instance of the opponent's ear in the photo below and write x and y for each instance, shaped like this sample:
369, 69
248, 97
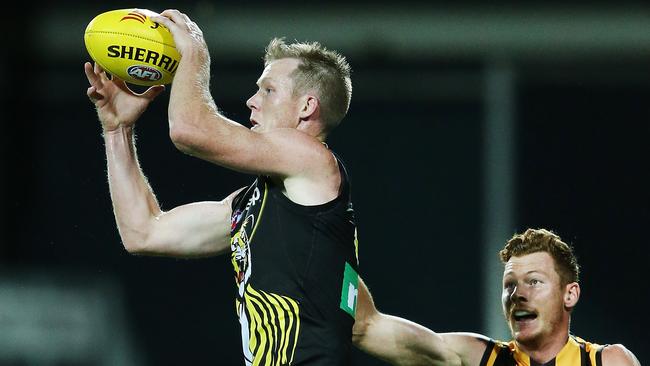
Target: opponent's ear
309, 107
571, 295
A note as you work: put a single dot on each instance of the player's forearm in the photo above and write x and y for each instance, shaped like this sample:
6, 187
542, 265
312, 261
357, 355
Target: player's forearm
402, 342
195, 123
134, 203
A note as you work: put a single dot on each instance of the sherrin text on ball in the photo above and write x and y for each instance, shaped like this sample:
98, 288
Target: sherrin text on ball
129, 45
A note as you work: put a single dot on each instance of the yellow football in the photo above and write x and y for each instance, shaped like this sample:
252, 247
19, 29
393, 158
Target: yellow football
129, 45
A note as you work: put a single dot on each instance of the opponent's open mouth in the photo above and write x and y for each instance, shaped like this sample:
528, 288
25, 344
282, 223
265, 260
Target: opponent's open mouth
523, 315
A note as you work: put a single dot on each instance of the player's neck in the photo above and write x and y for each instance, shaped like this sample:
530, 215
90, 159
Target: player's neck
544, 350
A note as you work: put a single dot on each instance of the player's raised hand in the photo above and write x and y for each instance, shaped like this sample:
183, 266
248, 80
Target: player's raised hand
188, 37
117, 105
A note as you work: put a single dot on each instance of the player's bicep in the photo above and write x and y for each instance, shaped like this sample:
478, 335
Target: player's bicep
194, 230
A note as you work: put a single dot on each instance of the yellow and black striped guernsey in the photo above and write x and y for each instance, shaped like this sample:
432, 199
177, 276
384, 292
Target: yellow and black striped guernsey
296, 271
576, 352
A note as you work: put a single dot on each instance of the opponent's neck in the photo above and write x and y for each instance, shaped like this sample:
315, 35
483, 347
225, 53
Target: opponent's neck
542, 352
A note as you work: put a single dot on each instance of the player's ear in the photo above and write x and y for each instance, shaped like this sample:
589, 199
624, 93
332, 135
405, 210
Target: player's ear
309, 107
571, 295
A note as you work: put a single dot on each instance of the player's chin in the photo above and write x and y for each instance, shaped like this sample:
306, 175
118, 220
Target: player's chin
525, 335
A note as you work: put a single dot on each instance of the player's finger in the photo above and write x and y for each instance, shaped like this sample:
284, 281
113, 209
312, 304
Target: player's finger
100, 72
173, 14
93, 79
172, 19
186, 18
93, 95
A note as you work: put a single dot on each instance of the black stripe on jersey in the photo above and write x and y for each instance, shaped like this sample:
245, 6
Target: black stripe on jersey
281, 313
599, 356
253, 310
505, 357
486, 354
584, 356
273, 334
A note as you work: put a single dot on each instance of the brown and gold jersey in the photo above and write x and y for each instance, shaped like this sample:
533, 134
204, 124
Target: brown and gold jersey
576, 352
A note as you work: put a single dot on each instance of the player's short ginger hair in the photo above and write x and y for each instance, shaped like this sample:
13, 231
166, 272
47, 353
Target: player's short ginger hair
325, 72
542, 240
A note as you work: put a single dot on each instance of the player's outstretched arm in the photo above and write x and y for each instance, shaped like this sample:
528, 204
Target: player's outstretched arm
403, 342
197, 127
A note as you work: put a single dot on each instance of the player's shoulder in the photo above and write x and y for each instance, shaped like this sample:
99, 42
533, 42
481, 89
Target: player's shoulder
299, 144
618, 354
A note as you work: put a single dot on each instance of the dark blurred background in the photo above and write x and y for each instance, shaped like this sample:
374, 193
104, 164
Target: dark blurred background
468, 123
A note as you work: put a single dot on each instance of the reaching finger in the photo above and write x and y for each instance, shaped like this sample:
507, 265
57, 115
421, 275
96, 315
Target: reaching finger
172, 19
100, 72
186, 18
93, 94
172, 14
93, 79
168, 23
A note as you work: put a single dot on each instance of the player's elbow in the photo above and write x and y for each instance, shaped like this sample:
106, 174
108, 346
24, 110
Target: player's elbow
134, 245
182, 136
136, 241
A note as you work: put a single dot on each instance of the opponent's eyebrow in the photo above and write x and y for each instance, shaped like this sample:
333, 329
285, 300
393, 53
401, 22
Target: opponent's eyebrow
511, 273
536, 271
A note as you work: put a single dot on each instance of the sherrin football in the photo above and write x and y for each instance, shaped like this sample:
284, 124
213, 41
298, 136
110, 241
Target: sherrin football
129, 45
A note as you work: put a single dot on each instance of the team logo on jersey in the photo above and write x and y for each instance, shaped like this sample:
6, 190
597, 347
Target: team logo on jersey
242, 234
240, 251
235, 219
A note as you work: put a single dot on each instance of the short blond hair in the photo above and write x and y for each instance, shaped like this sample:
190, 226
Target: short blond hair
322, 70
542, 240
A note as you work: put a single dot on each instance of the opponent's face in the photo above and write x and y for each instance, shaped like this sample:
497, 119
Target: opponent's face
273, 105
533, 300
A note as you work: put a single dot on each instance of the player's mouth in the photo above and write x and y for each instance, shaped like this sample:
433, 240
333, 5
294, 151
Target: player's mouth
253, 123
523, 316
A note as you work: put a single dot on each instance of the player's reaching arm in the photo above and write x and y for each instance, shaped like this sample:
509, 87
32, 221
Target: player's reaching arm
198, 229
402, 342
197, 127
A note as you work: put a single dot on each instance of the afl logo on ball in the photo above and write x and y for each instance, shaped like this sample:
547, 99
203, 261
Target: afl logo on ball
145, 73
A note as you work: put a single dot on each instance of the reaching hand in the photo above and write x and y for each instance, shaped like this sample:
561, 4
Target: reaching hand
188, 37
117, 105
